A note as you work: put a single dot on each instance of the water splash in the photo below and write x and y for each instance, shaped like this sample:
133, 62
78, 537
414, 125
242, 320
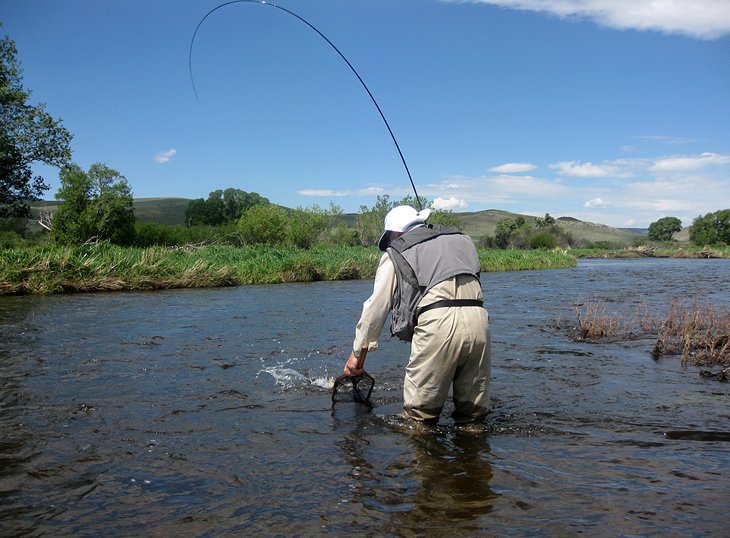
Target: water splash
288, 378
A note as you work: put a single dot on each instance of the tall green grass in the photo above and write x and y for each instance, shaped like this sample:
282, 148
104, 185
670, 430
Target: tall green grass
523, 260
105, 267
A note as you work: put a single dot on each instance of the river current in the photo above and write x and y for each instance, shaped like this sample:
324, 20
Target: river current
208, 413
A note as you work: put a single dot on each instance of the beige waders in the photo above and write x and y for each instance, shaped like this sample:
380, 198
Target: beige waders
451, 347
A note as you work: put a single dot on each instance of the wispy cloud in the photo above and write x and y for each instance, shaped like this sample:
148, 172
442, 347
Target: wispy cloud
165, 156
589, 170
323, 193
331, 193
701, 19
513, 168
683, 163
663, 139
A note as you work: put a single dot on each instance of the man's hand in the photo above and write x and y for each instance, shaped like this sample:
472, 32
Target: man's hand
353, 366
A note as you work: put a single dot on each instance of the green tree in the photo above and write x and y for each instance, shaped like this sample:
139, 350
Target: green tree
221, 207
195, 212
711, 229
95, 205
236, 201
546, 222
664, 228
28, 134
504, 230
370, 220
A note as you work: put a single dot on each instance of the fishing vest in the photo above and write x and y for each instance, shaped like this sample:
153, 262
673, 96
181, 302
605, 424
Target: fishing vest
423, 257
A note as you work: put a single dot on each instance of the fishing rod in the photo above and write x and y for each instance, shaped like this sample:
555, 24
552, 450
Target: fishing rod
262, 2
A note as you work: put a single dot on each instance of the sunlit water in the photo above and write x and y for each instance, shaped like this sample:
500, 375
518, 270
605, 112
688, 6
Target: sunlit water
208, 413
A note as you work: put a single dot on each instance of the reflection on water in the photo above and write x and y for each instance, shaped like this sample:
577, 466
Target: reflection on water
208, 412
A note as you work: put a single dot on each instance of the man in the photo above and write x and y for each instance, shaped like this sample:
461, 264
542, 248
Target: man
428, 279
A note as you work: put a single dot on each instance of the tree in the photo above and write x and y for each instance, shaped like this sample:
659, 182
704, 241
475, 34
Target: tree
370, 220
221, 207
96, 205
664, 228
28, 134
711, 229
504, 230
546, 222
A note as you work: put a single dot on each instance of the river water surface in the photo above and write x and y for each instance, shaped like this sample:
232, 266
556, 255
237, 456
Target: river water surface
208, 413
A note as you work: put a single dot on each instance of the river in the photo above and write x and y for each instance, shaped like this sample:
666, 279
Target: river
208, 413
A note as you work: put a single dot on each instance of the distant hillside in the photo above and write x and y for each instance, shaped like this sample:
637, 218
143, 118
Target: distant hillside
483, 223
170, 211
478, 224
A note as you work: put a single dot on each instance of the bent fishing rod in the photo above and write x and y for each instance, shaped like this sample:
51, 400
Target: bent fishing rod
372, 98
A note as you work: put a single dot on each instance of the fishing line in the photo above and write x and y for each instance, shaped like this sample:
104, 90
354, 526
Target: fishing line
261, 2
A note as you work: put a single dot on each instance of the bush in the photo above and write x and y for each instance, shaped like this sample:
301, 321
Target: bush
516, 233
543, 240
342, 236
149, 234
305, 227
263, 224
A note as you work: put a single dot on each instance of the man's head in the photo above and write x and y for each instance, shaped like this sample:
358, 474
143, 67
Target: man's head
399, 220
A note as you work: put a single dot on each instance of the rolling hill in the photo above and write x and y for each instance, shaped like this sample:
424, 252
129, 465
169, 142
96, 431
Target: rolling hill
478, 224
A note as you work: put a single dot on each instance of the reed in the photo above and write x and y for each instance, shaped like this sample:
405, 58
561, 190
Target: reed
700, 334
595, 322
106, 267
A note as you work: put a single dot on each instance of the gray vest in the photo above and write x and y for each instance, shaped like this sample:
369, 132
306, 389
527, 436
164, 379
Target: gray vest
422, 258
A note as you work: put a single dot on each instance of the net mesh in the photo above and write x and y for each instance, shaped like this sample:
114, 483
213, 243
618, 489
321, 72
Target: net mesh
353, 388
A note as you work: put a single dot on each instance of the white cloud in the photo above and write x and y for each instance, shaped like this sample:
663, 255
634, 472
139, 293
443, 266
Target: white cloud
513, 168
596, 203
371, 191
527, 185
662, 139
702, 19
683, 163
449, 203
323, 192
575, 169
165, 156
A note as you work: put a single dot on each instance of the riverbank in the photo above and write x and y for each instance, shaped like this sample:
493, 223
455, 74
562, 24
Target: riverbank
644, 251
105, 267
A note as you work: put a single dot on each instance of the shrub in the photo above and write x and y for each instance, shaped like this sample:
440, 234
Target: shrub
543, 240
263, 224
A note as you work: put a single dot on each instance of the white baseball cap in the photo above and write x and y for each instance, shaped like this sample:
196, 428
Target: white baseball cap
399, 219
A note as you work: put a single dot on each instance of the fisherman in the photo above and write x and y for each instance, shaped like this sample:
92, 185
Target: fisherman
428, 280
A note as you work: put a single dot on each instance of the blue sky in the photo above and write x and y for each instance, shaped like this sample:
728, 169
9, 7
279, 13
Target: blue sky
610, 111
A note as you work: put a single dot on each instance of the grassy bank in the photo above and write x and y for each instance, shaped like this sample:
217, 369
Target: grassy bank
668, 251
104, 267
